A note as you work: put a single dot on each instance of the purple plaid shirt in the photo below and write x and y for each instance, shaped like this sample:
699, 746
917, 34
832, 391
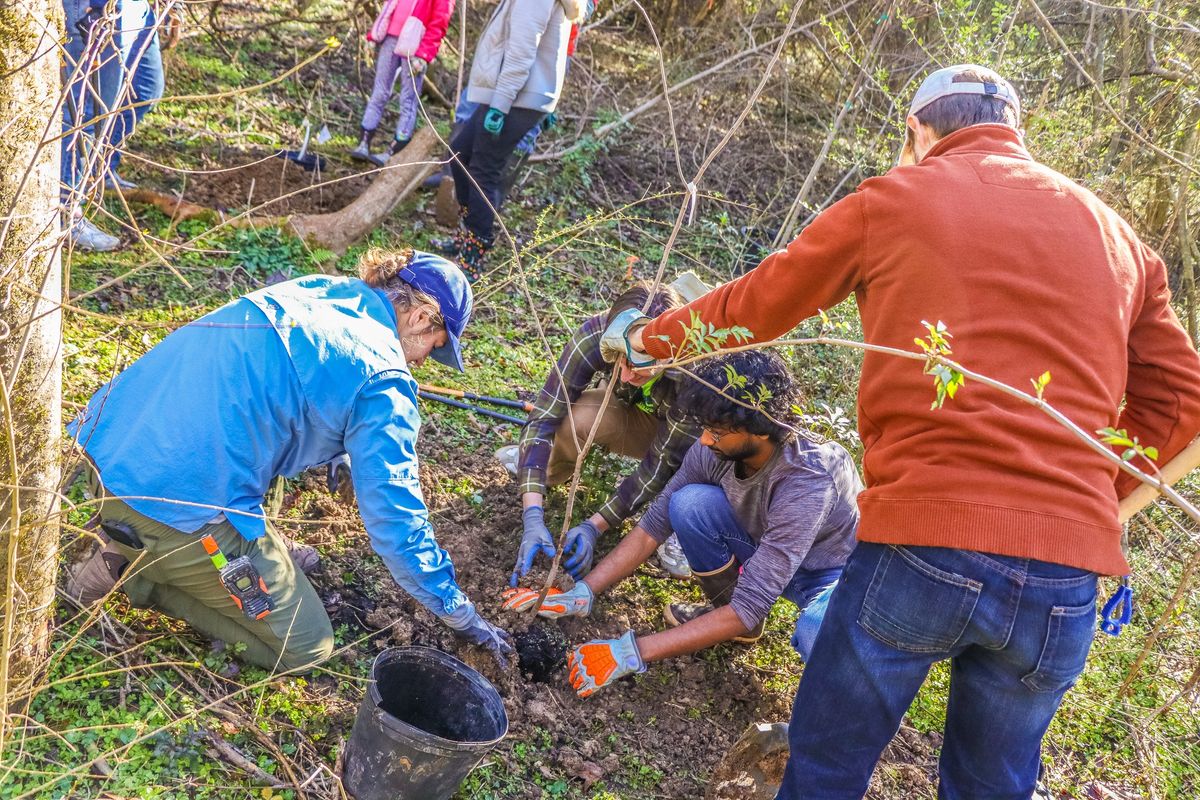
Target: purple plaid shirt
580, 364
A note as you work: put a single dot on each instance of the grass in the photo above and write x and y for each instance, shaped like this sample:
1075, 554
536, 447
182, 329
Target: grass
146, 731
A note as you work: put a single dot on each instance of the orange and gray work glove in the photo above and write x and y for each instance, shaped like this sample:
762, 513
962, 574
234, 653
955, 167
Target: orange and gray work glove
575, 603
602, 661
614, 342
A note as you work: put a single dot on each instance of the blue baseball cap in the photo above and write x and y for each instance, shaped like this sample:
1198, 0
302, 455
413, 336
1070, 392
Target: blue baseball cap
444, 281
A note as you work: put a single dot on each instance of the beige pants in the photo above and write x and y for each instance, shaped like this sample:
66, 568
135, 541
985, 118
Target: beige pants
624, 429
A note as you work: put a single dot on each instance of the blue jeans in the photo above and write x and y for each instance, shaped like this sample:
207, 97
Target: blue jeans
1016, 631
710, 535
142, 59
94, 74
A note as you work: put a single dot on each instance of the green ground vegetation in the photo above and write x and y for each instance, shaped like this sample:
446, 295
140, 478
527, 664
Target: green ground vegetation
133, 704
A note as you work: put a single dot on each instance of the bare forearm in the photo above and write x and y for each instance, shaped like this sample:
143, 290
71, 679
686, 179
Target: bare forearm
718, 625
531, 499
619, 564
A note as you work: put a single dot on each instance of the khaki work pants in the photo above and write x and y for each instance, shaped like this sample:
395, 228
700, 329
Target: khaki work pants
624, 429
173, 574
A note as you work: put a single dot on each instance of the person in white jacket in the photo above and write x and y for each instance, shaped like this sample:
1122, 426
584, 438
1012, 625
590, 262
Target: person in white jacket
516, 79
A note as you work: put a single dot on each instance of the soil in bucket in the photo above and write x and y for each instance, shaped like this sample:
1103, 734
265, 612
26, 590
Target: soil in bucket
541, 651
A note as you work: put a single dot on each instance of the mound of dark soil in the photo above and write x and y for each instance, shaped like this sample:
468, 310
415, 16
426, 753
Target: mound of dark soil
541, 652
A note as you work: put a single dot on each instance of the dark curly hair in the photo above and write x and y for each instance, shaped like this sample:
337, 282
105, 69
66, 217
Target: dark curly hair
757, 378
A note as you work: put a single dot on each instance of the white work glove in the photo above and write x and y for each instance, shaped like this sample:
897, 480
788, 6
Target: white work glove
614, 343
417, 65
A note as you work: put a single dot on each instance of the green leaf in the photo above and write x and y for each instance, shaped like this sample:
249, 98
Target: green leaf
1115, 437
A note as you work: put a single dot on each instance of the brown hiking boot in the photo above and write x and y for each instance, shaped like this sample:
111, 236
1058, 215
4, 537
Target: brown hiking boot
718, 588
446, 208
677, 614
96, 576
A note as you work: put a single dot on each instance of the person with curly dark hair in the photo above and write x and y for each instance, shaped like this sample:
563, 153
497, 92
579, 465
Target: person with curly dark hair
762, 508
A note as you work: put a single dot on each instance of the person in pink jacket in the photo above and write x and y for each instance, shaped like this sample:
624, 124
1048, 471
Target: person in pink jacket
409, 34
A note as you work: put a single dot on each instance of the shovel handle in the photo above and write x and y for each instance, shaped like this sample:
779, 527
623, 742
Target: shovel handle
1183, 463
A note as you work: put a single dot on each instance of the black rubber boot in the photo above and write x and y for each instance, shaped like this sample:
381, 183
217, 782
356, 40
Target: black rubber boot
718, 588
447, 245
362, 150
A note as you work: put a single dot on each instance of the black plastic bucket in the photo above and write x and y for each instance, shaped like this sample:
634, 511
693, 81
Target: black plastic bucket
425, 723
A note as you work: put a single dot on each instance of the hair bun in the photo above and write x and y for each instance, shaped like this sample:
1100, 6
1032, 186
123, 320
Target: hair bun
378, 266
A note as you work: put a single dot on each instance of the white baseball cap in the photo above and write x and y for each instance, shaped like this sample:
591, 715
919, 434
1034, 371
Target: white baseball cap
941, 84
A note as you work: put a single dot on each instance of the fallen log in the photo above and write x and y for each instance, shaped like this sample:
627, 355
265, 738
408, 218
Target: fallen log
337, 230
174, 207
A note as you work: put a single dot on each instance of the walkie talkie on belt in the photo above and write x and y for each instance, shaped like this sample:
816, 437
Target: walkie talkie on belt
241, 580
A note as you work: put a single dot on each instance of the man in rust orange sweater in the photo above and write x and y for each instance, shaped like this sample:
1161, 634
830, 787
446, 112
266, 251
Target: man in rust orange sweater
984, 524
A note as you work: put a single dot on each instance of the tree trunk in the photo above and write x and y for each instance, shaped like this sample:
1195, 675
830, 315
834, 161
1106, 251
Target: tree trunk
30, 342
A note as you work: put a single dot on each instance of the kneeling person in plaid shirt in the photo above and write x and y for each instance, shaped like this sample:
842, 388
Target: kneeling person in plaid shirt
635, 423
762, 510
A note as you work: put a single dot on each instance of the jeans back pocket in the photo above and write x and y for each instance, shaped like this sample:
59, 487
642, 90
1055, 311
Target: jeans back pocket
914, 606
1069, 636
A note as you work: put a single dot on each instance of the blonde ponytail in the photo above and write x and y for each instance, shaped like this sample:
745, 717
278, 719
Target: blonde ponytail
380, 268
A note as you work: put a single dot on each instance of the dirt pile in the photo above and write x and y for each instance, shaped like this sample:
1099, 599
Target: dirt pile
541, 652
271, 186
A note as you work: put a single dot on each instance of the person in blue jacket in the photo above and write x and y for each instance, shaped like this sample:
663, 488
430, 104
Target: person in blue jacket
183, 444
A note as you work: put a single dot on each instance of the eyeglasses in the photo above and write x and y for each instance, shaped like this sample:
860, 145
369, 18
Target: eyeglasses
716, 437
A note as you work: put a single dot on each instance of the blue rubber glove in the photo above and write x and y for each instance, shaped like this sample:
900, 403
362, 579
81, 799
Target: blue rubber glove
602, 661
614, 343
338, 477
579, 548
536, 539
467, 623
493, 121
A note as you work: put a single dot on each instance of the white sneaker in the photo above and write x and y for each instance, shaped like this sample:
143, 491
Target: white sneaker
673, 560
508, 457
87, 236
114, 182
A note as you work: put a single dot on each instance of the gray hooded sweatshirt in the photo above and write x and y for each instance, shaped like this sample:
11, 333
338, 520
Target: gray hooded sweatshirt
521, 58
